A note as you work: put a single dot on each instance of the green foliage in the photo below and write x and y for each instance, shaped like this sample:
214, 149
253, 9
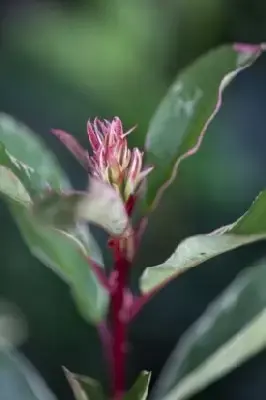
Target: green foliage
66, 252
18, 379
231, 331
178, 126
83, 387
24, 145
139, 390
197, 249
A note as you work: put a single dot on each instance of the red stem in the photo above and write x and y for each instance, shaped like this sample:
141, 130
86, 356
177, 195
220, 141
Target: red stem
119, 323
120, 308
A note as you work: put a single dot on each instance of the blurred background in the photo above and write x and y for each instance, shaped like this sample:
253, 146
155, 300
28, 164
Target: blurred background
65, 61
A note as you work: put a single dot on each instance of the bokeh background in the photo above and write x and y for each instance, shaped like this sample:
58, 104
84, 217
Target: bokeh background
64, 61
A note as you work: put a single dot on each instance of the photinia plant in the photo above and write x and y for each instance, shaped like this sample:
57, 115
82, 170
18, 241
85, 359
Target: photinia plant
53, 219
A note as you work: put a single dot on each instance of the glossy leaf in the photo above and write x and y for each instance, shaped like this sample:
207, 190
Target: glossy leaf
197, 249
19, 380
232, 330
180, 122
68, 257
101, 205
83, 387
29, 149
140, 389
61, 251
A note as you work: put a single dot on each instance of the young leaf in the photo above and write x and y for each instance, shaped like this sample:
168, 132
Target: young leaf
178, 126
139, 390
232, 330
19, 380
68, 257
197, 249
83, 387
101, 205
27, 147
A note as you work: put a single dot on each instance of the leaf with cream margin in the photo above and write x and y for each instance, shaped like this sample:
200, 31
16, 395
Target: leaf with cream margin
140, 389
37, 168
195, 250
68, 258
59, 250
179, 124
230, 332
101, 205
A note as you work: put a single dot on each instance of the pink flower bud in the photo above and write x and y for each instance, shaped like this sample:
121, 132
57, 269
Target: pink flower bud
112, 161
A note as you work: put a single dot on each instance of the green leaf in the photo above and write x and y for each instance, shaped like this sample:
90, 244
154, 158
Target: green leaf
27, 176
27, 147
68, 257
100, 205
83, 387
231, 331
180, 122
83, 234
19, 380
64, 252
197, 249
139, 390
11, 187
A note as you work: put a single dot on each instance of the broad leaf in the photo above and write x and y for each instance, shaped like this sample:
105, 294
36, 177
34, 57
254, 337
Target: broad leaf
19, 380
62, 251
139, 390
83, 387
178, 126
197, 249
101, 205
67, 256
232, 330
27, 147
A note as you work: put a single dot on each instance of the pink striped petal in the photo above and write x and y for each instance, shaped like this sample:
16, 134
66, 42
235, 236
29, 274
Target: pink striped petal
95, 137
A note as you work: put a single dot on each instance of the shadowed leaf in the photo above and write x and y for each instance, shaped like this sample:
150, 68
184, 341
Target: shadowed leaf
231, 331
19, 380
